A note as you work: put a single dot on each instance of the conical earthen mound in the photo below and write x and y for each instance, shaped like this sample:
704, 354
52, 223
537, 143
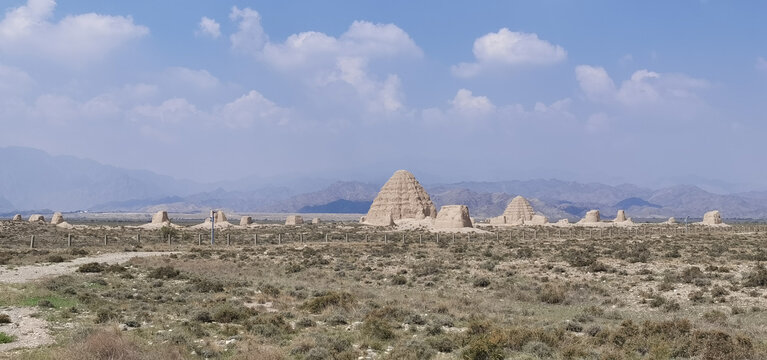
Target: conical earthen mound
518, 211
402, 197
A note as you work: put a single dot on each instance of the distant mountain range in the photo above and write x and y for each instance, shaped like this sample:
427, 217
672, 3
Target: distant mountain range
31, 179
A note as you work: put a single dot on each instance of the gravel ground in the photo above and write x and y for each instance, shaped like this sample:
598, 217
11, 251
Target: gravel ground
27, 273
29, 331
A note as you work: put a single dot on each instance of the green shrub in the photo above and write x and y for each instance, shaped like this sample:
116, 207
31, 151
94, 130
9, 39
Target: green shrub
5, 338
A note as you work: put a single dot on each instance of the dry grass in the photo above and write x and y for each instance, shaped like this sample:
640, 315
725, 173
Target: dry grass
655, 297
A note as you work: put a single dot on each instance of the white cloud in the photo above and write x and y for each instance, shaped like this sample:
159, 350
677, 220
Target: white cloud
251, 109
171, 111
250, 36
198, 79
505, 49
332, 66
14, 81
469, 105
362, 39
378, 96
595, 83
761, 64
209, 27
597, 123
27, 30
643, 88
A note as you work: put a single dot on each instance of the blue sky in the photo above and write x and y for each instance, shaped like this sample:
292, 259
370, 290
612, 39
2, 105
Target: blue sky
650, 92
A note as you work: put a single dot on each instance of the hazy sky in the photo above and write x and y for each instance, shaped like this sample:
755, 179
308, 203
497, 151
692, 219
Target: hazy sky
648, 92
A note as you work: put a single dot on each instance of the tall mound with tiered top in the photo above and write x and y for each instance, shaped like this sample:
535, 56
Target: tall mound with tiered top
402, 197
518, 211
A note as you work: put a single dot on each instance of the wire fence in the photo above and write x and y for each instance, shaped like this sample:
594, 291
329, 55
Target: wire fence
276, 236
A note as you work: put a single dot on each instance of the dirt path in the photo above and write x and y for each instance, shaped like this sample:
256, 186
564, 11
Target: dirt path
27, 273
28, 330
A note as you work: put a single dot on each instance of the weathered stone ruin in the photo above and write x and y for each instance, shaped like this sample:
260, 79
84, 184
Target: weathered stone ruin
17, 217
498, 220
712, 218
402, 197
37, 217
220, 217
592, 217
57, 218
453, 217
160, 217
671, 220
316, 221
246, 220
621, 217
537, 220
294, 220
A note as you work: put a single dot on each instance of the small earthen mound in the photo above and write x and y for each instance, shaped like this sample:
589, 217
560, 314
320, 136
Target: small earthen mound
537, 220
220, 217
294, 220
17, 217
57, 218
671, 220
36, 218
316, 221
160, 217
592, 217
621, 217
452, 217
712, 218
246, 220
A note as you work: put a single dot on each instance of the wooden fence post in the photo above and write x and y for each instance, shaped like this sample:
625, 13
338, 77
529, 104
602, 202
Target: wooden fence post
199, 239
228, 240
105, 240
32, 242
69, 240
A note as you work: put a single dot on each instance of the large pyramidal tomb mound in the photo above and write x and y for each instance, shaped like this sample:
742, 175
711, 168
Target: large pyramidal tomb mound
402, 197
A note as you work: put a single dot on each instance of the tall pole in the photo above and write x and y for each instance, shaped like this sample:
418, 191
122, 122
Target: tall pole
212, 228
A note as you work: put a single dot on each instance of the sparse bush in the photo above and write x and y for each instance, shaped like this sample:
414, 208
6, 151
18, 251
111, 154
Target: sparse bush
377, 328
164, 272
757, 278
398, 280
552, 294
91, 268
55, 259
105, 315
270, 290
320, 303
228, 313
5, 319
481, 282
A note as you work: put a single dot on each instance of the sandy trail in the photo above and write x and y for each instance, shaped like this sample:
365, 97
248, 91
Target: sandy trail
27, 273
29, 331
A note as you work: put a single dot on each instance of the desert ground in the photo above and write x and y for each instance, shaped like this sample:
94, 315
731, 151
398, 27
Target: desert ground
340, 290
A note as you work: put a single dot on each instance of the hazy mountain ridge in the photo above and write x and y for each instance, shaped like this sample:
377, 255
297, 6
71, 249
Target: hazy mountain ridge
32, 179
